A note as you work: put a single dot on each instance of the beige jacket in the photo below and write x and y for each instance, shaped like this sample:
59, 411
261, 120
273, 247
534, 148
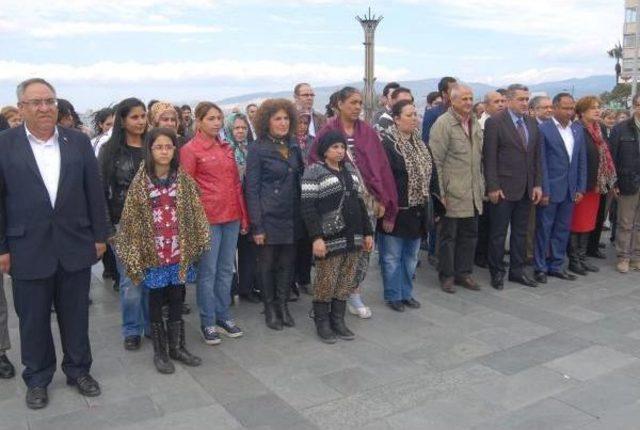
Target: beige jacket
458, 160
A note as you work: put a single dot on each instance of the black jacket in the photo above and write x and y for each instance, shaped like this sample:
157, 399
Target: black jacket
272, 191
593, 160
624, 142
41, 237
118, 165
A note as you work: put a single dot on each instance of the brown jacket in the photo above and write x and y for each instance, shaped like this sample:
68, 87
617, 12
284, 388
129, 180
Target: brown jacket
458, 160
509, 165
135, 241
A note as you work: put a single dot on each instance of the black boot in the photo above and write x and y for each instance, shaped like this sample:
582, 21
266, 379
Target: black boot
584, 244
323, 325
160, 356
272, 317
177, 350
575, 265
287, 319
337, 320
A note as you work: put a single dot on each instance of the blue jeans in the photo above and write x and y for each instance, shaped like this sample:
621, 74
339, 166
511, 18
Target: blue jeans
215, 273
134, 301
399, 257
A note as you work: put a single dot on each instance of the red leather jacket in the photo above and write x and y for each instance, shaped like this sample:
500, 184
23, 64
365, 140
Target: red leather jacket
211, 163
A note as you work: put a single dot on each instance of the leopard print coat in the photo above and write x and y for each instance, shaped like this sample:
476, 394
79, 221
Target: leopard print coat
134, 243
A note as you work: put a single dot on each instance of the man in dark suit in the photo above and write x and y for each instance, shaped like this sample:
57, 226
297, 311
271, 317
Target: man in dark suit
53, 227
513, 176
564, 181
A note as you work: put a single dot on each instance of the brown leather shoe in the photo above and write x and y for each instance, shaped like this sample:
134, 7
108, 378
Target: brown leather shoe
468, 282
447, 285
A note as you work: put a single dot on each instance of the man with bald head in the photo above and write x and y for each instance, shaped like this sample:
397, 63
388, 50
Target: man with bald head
456, 144
494, 102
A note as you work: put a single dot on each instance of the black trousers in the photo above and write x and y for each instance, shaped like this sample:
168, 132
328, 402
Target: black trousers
275, 271
482, 244
501, 215
304, 258
595, 235
457, 246
170, 295
68, 292
247, 260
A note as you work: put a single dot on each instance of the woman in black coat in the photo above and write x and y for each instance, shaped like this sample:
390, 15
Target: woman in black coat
274, 171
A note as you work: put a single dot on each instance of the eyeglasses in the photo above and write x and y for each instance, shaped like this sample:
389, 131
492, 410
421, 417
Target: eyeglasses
35, 103
163, 148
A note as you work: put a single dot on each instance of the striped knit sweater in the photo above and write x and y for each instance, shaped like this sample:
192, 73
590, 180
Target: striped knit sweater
322, 189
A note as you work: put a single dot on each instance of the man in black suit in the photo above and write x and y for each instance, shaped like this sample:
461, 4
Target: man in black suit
53, 227
512, 168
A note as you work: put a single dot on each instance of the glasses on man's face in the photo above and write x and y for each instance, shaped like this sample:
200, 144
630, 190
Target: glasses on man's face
36, 103
160, 148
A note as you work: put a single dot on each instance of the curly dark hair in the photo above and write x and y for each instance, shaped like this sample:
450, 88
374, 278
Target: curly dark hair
269, 108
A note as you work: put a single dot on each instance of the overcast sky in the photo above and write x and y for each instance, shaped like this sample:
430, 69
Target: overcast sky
99, 51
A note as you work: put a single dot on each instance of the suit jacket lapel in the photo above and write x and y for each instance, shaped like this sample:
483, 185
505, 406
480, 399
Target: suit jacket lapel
24, 147
63, 144
512, 128
576, 135
559, 139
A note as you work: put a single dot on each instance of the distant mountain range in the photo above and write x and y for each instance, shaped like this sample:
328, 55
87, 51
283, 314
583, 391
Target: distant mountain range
420, 88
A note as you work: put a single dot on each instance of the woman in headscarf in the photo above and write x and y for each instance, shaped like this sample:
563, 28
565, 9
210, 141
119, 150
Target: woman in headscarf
164, 115
365, 152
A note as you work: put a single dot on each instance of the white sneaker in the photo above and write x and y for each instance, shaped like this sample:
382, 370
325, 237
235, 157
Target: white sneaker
363, 312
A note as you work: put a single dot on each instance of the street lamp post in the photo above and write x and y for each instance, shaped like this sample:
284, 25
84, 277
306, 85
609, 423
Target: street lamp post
369, 23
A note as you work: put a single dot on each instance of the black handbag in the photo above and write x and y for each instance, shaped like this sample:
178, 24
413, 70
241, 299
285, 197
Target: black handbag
429, 215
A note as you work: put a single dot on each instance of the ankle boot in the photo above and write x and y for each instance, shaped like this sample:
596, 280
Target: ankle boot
177, 350
337, 320
271, 317
287, 319
584, 243
323, 325
575, 265
160, 356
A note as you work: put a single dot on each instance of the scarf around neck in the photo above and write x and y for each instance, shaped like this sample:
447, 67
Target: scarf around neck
417, 161
606, 170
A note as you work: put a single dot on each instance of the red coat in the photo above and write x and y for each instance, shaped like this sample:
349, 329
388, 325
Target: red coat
212, 164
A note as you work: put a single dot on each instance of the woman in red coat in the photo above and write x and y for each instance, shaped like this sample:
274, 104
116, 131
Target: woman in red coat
600, 179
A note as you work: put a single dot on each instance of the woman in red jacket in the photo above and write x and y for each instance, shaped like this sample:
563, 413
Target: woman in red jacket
211, 162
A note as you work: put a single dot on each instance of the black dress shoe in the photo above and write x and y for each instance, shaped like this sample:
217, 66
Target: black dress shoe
497, 281
597, 254
7, 370
132, 343
87, 386
524, 280
412, 303
37, 397
590, 267
540, 277
396, 305
577, 268
563, 275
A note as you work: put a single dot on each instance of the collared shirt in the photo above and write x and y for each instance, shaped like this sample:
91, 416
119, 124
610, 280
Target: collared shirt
465, 122
515, 118
47, 155
567, 136
483, 119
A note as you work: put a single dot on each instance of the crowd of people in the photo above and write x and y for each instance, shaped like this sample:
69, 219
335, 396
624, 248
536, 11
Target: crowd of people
252, 203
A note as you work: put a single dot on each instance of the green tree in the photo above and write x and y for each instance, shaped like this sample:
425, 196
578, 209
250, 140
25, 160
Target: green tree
618, 96
616, 53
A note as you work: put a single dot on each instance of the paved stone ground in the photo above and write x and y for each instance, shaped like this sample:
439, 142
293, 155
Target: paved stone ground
563, 356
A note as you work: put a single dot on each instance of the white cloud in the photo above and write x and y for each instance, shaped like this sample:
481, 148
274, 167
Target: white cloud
231, 71
72, 29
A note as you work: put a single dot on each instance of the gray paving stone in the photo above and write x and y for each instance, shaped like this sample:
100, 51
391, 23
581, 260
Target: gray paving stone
623, 418
591, 362
604, 394
351, 380
545, 415
534, 353
264, 410
525, 388
208, 417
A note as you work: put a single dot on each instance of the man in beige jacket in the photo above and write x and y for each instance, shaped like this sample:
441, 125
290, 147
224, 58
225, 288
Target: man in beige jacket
456, 144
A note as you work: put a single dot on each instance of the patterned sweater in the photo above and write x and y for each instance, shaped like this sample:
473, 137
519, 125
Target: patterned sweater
322, 189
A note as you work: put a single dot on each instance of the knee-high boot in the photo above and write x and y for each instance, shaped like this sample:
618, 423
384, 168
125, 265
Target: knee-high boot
584, 244
575, 264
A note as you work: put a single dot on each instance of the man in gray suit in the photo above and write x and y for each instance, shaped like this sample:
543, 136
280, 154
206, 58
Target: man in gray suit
513, 173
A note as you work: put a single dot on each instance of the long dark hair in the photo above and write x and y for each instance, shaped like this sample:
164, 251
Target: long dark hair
100, 117
118, 140
149, 162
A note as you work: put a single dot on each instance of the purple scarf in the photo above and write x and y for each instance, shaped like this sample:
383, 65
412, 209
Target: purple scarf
371, 161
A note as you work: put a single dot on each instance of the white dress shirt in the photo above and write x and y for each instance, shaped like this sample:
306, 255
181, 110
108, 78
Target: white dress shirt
567, 137
47, 155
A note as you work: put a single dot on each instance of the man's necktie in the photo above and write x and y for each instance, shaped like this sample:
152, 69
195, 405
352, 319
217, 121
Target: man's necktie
522, 132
